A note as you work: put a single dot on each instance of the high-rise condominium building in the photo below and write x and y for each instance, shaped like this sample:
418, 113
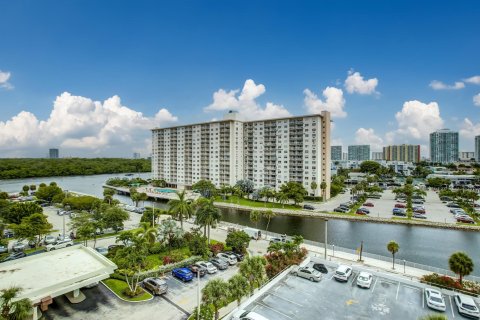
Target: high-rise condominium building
466, 155
477, 148
359, 153
377, 155
444, 146
336, 153
53, 153
404, 152
267, 152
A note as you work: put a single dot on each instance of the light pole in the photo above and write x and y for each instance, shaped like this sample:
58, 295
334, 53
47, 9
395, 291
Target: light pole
404, 265
153, 215
326, 239
198, 294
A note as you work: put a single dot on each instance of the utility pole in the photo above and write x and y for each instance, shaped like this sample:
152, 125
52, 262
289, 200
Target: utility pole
326, 238
361, 250
198, 294
153, 214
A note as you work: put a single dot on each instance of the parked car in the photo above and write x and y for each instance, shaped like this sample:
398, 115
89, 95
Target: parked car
400, 205
7, 234
445, 199
219, 263
435, 299
399, 212
231, 260
361, 212
155, 285
419, 210
307, 273
197, 270
364, 280
237, 255
207, 265
102, 250
3, 249
308, 207
466, 306
183, 274
59, 244
364, 210
342, 273
454, 211
14, 256
419, 215
247, 315
320, 267
453, 205
419, 201
465, 219
368, 204
19, 246
253, 233
49, 239
341, 209
276, 240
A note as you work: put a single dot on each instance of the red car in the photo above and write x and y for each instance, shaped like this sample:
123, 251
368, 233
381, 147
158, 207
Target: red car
362, 212
399, 205
421, 211
465, 219
368, 204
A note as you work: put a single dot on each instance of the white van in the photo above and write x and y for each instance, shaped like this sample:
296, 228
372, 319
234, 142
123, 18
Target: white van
253, 233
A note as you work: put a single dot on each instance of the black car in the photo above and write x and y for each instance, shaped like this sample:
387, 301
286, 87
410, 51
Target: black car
320, 267
341, 209
308, 207
453, 205
14, 256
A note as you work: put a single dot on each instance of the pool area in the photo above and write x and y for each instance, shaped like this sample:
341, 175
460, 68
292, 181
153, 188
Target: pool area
165, 190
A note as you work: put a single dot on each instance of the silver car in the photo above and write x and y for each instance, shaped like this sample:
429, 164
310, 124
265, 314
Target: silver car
231, 260
59, 244
155, 285
307, 273
207, 265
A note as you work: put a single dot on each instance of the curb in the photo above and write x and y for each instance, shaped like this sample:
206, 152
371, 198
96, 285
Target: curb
151, 298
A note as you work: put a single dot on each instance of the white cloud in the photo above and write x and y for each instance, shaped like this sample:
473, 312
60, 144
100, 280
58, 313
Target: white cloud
476, 100
245, 103
368, 136
473, 80
77, 122
417, 120
468, 129
334, 102
439, 85
356, 84
4, 77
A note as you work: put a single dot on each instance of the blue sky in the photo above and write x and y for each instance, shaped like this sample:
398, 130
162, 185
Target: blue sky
91, 77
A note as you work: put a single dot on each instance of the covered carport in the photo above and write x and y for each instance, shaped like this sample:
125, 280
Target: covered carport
45, 276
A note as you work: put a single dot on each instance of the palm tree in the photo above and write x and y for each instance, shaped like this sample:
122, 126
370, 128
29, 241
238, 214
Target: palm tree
253, 269
313, 186
323, 186
181, 207
147, 232
255, 216
216, 293
269, 214
238, 287
207, 215
460, 263
14, 310
282, 198
393, 247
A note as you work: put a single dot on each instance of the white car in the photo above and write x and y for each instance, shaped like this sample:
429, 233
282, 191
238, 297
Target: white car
364, 280
227, 258
435, 300
207, 265
59, 244
342, 273
49, 239
307, 273
247, 315
466, 306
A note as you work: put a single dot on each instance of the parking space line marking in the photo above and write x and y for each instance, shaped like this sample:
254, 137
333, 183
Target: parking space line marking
423, 298
354, 278
398, 289
265, 306
376, 279
331, 276
288, 300
410, 287
451, 306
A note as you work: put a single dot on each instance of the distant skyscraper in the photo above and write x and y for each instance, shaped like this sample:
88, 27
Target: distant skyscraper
359, 152
344, 156
53, 153
336, 153
404, 152
477, 148
466, 155
444, 146
377, 155
136, 155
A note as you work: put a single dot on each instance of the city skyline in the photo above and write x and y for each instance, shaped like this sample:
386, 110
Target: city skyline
193, 65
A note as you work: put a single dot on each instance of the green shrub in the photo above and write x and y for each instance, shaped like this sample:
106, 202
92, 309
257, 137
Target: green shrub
156, 248
131, 294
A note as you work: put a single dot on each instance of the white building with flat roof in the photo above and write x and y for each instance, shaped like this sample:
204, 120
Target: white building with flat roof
268, 152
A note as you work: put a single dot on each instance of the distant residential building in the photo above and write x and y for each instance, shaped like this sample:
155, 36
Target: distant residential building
404, 152
444, 146
466, 155
477, 148
53, 153
359, 152
136, 155
377, 155
344, 156
336, 153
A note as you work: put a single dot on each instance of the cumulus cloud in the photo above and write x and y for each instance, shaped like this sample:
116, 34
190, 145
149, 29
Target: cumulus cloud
4, 77
417, 120
245, 103
468, 129
334, 102
439, 85
356, 84
476, 100
473, 80
368, 136
77, 122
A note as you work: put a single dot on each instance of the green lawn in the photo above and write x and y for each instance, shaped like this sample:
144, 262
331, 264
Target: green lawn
118, 286
156, 260
28, 251
256, 204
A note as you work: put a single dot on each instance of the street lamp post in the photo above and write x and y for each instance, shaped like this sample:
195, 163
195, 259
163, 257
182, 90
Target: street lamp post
404, 265
326, 241
198, 295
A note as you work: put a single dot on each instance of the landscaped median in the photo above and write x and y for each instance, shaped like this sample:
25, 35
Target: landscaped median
119, 287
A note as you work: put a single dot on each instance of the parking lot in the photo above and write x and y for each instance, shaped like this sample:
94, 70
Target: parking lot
388, 298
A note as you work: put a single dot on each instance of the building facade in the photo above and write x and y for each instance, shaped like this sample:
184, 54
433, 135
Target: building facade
53, 153
336, 152
377, 155
136, 155
466, 155
477, 148
359, 152
444, 146
404, 152
267, 152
